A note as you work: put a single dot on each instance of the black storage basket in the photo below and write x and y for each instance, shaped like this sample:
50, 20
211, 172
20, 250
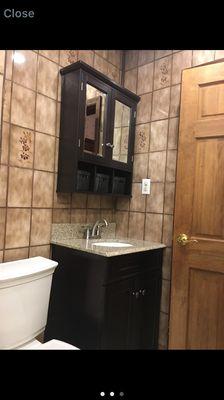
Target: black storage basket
101, 183
119, 183
83, 181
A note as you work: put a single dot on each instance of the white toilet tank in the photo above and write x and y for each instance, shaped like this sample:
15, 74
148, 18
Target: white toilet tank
24, 298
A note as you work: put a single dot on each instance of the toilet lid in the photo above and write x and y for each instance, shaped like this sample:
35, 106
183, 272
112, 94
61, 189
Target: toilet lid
56, 345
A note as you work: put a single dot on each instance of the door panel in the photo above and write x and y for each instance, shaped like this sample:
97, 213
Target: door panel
145, 321
209, 184
118, 315
149, 310
198, 266
211, 99
206, 311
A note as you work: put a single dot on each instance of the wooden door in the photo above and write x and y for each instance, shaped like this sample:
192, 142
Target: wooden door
197, 296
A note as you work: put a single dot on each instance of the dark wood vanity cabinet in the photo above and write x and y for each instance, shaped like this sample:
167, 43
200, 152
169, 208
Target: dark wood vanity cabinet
131, 313
97, 129
105, 302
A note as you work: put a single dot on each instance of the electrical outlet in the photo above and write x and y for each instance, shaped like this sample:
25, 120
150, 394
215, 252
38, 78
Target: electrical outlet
146, 186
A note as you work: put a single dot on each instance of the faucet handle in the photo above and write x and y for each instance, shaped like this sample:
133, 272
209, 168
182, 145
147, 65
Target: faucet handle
103, 224
104, 221
87, 232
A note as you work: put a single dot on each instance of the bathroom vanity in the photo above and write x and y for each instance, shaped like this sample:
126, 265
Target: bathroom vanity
106, 297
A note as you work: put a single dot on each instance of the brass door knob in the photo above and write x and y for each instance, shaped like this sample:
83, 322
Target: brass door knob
182, 239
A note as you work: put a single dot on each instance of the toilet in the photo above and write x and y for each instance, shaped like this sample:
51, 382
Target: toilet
24, 298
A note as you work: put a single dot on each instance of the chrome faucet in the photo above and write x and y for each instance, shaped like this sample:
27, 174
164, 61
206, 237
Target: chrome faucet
96, 231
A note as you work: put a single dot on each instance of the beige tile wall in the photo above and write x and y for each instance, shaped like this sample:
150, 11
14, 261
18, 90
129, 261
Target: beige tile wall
156, 77
29, 150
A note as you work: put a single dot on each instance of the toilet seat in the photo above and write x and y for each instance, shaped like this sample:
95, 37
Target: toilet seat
55, 345
50, 345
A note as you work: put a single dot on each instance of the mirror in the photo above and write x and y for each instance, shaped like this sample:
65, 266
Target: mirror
94, 120
122, 119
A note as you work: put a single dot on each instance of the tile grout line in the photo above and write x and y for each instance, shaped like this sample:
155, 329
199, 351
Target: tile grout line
55, 146
35, 92
1, 137
147, 173
165, 181
31, 129
9, 145
2, 107
171, 257
168, 126
55, 135
34, 151
129, 200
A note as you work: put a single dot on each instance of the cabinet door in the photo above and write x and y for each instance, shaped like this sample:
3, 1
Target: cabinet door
121, 142
145, 324
118, 316
94, 115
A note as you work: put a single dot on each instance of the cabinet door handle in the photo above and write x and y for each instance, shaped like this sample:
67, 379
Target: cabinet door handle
110, 145
137, 295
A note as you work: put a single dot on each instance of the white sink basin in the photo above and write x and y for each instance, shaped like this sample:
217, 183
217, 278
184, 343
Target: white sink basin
112, 244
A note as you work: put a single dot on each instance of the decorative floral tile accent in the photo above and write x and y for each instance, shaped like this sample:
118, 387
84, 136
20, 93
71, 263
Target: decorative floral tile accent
21, 147
142, 138
67, 57
162, 73
72, 56
25, 141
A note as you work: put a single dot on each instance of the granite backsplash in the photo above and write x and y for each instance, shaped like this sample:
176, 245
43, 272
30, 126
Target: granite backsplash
77, 231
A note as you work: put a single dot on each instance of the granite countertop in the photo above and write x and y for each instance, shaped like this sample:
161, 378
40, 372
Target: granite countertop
107, 251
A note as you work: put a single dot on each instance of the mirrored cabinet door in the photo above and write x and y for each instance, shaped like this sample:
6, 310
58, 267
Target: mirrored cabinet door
94, 126
97, 131
121, 131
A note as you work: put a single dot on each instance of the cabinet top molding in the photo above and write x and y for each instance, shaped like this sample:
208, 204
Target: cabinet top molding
85, 67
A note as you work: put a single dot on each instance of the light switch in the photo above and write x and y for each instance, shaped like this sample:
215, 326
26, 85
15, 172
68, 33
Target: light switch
146, 186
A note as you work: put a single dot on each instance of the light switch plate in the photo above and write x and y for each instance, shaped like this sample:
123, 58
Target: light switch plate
146, 183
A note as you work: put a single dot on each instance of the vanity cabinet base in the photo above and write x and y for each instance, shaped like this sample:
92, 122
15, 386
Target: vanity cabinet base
108, 303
